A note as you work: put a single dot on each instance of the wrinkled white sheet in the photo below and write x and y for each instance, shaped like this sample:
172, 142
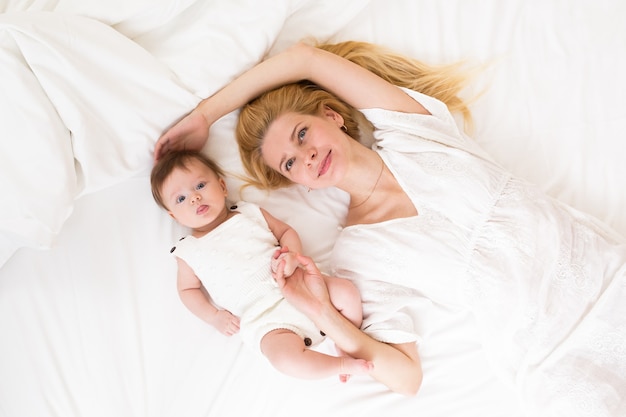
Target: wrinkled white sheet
92, 326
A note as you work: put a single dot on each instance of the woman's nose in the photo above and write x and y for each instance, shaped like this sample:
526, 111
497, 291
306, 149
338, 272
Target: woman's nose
311, 154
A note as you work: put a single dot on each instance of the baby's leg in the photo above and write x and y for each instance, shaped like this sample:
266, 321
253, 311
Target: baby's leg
346, 298
287, 353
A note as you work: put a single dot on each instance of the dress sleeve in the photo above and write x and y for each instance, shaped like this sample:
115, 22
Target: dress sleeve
393, 313
399, 131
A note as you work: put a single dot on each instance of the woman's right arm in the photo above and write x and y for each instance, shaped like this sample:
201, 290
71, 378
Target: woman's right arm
350, 82
192, 131
396, 366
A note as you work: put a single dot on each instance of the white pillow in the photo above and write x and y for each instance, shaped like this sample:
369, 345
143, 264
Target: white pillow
81, 108
316, 20
211, 42
141, 15
37, 180
97, 101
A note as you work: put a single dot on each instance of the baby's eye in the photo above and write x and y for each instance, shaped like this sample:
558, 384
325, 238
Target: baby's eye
180, 199
301, 134
200, 186
289, 164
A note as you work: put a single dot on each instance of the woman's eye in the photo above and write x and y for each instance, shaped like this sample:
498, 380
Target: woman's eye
200, 186
289, 164
301, 134
180, 199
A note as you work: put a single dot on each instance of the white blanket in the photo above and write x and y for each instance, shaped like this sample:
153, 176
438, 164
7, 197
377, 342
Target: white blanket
89, 317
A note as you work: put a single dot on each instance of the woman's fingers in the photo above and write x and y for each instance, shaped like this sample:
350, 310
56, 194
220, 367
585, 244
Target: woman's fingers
190, 132
308, 264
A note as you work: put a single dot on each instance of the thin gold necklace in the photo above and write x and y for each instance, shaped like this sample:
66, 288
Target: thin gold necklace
380, 174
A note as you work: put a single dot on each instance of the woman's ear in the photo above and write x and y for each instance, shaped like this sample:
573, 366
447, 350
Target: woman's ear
333, 115
223, 184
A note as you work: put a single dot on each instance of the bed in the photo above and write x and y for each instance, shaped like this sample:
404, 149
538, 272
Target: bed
90, 320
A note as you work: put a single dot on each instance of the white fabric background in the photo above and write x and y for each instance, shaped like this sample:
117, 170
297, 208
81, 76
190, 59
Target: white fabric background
92, 326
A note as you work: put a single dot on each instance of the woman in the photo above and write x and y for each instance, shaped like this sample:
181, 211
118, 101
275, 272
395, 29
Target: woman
429, 211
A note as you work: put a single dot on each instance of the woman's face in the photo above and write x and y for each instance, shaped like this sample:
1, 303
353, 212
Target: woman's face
309, 150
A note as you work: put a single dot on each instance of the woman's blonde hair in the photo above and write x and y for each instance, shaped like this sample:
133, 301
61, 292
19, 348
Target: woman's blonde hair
441, 82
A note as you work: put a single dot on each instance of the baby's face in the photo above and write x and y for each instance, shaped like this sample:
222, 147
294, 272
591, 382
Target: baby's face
196, 196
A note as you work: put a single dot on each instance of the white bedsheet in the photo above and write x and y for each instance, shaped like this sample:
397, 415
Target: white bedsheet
92, 326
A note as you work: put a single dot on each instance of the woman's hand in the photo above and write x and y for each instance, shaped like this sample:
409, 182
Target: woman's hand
191, 132
305, 288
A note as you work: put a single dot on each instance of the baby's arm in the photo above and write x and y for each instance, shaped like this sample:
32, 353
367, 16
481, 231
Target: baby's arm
288, 240
289, 258
194, 296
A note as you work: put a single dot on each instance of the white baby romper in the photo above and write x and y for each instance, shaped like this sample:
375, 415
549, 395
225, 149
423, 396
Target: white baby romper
233, 263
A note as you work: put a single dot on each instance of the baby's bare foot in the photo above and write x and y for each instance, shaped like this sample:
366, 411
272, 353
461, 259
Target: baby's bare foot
351, 366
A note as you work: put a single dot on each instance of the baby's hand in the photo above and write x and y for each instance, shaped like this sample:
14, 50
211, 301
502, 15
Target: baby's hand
289, 258
226, 322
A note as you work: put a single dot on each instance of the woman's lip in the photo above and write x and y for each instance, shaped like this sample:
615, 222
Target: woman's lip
324, 165
202, 209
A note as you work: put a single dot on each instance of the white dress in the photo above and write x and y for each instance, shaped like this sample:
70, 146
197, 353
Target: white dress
546, 284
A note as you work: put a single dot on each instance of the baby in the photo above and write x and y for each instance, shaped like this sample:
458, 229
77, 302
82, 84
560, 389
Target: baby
228, 260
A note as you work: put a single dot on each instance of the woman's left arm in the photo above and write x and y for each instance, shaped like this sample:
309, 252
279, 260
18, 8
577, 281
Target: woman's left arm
398, 366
